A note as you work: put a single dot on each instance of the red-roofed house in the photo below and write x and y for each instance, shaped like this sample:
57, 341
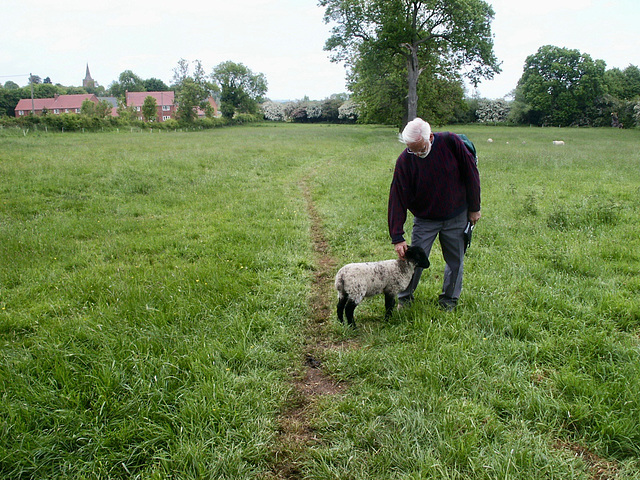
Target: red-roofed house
56, 105
164, 100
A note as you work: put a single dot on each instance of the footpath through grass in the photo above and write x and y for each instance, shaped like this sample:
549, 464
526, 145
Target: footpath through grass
154, 290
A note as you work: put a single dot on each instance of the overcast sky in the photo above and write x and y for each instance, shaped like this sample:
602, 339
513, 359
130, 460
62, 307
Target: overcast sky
282, 39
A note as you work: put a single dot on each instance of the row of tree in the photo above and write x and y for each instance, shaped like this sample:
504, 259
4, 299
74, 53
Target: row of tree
559, 87
405, 59
408, 58
338, 108
562, 87
237, 89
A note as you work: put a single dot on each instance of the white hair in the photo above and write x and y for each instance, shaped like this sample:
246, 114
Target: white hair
415, 130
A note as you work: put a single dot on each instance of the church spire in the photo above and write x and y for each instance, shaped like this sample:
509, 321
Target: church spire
88, 81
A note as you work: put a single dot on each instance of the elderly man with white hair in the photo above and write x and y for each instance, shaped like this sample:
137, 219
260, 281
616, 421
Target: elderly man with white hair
437, 180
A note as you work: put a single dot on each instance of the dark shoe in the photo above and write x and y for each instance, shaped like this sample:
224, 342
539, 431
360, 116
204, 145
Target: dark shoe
447, 304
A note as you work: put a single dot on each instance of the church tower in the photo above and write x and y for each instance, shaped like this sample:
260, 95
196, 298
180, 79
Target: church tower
88, 82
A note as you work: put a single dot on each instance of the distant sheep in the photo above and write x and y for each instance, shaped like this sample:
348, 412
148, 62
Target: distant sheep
356, 281
489, 140
558, 142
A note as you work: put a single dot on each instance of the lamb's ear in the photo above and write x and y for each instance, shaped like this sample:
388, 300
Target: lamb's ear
415, 254
419, 257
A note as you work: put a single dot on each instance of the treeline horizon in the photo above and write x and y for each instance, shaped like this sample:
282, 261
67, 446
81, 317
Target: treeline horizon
559, 87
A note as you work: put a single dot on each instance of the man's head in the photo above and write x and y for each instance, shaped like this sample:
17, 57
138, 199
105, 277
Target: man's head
418, 137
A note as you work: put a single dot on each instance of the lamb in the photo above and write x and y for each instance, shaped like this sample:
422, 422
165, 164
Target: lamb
558, 142
356, 281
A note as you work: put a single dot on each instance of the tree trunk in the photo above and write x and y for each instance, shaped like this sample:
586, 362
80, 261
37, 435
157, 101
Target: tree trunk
413, 72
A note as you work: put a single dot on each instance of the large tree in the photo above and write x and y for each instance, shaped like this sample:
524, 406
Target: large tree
150, 109
560, 86
127, 82
11, 85
103, 109
379, 85
9, 98
435, 38
241, 89
192, 90
155, 85
43, 90
623, 84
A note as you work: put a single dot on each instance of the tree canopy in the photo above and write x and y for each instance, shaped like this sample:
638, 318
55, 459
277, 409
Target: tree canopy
192, 90
155, 85
560, 85
127, 82
241, 89
623, 84
413, 40
150, 109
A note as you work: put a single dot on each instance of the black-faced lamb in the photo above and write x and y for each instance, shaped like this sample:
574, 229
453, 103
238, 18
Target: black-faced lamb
356, 281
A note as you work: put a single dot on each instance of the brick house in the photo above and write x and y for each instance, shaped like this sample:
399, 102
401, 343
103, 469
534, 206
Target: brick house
167, 108
56, 105
165, 101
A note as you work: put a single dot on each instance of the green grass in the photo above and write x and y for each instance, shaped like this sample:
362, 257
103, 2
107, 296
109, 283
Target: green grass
154, 292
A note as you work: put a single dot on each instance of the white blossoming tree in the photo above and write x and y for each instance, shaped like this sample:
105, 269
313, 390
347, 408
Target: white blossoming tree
273, 111
492, 111
314, 112
348, 111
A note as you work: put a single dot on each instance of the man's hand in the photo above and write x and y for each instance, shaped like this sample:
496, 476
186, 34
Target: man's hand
474, 217
401, 248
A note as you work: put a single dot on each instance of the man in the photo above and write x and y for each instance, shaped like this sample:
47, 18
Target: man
437, 180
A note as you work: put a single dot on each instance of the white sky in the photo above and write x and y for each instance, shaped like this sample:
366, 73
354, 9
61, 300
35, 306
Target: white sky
283, 39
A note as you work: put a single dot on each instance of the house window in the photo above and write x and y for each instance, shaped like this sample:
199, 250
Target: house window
21, 112
165, 118
138, 109
166, 108
56, 111
77, 110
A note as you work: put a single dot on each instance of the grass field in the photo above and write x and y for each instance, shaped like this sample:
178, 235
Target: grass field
155, 304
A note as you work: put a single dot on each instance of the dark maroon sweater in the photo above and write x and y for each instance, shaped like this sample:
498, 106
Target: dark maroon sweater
438, 187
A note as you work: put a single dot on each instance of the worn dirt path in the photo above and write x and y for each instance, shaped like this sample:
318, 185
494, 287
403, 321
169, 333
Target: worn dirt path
310, 382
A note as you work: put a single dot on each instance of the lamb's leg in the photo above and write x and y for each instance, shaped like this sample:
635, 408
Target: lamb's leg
342, 301
389, 303
351, 306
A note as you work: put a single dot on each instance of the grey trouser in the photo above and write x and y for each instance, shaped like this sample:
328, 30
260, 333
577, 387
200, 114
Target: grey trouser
451, 233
